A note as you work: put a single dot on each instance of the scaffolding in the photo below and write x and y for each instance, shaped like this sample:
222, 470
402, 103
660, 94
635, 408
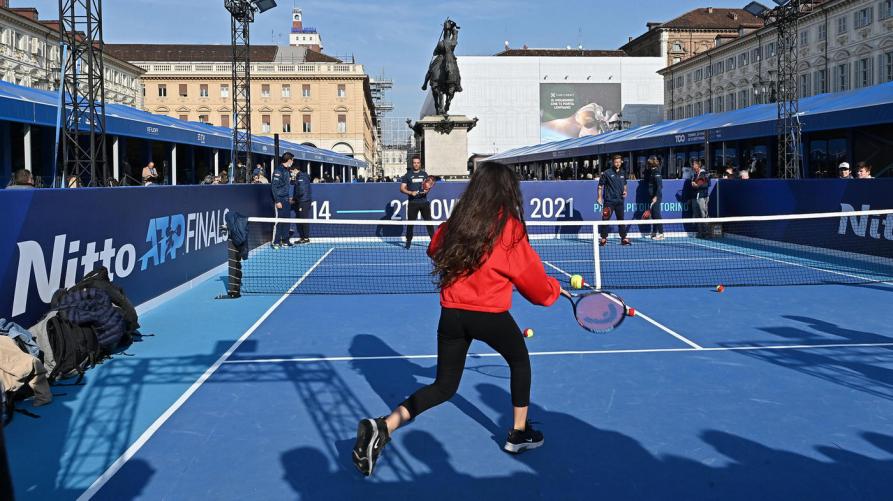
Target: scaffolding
83, 93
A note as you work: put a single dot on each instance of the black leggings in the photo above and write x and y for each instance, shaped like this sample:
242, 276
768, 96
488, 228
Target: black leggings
412, 214
456, 330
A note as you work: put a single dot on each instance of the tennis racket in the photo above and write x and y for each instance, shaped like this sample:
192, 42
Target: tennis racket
598, 311
606, 213
701, 181
428, 183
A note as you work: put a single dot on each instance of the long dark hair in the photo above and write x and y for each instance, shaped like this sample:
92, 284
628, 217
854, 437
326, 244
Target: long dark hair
493, 195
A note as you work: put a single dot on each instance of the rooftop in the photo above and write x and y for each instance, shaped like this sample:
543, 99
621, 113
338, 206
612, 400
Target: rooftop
214, 53
561, 53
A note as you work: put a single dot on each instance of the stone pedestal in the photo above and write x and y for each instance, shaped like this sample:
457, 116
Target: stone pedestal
445, 144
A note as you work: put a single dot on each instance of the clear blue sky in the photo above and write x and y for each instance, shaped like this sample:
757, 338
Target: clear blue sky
395, 37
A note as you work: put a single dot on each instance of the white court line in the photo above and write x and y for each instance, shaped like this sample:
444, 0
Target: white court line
138, 444
646, 318
781, 261
559, 353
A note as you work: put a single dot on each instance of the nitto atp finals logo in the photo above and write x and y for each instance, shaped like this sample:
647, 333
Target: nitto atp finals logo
866, 226
167, 237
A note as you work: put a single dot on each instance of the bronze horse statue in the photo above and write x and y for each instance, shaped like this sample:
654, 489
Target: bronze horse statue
443, 72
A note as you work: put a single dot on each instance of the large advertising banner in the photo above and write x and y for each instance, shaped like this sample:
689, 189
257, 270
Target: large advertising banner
569, 110
151, 239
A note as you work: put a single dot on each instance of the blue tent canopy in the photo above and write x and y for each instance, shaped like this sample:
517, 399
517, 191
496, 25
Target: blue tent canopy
40, 107
840, 110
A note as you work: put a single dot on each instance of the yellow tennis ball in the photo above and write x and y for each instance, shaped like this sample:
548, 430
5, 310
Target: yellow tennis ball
528, 332
577, 282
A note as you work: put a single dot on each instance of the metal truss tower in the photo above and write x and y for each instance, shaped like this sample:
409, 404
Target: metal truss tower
84, 125
786, 19
242, 15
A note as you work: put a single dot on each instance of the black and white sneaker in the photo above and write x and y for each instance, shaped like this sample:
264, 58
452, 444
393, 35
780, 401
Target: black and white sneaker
372, 436
519, 441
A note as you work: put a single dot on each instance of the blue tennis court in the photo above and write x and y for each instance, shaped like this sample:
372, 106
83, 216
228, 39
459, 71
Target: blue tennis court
769, 392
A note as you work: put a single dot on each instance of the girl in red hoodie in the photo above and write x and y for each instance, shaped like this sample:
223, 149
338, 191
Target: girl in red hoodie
479, 254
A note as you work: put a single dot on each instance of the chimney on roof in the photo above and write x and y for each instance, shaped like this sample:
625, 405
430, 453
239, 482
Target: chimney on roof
651, 25
710, 10
630, 39
733, 15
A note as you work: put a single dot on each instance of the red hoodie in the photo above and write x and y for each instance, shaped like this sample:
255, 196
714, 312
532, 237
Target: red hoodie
511, 262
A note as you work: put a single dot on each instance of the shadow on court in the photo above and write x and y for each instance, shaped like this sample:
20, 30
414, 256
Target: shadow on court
860, 369
582, 461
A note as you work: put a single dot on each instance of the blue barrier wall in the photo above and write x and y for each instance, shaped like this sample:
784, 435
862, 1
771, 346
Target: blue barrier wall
759, 197
151, 239
544, 200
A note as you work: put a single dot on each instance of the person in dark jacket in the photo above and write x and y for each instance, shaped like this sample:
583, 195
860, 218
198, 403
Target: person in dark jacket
302, 201
655, 184
279, 184
612, 195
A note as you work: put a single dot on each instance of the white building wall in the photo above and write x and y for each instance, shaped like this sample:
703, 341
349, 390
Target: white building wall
504, 93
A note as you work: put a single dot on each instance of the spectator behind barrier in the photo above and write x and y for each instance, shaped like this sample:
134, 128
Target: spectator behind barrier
150, 174
863, 170
21, 180
843, 171
744, 174
73, 182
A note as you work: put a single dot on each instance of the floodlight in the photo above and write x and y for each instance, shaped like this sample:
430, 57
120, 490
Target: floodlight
756, 8
265, 5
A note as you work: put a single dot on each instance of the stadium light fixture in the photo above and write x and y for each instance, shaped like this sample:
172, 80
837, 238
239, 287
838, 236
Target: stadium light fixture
265, 5
756, 8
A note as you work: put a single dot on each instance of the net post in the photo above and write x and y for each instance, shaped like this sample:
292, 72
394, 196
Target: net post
595, 257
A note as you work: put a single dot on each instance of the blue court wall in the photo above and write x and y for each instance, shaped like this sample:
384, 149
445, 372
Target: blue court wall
544, 200
761, 197
151, 239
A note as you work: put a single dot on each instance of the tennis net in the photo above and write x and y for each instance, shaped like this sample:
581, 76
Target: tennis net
370, 257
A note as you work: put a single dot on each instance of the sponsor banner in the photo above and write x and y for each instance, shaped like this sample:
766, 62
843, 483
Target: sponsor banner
863, 234
570, 110
151, 239
547, 201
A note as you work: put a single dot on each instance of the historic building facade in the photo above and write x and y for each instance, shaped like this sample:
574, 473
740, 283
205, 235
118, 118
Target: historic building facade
842, 44
303, 95
29, 56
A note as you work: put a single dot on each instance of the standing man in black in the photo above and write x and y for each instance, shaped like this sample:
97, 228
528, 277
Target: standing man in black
411, 185
612, 196
700, 183
279, 184
302, 201
655, 183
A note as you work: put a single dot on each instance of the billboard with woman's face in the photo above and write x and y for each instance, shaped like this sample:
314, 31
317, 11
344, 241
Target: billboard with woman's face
577, 109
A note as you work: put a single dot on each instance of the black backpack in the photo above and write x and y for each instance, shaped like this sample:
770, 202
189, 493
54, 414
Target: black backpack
75, 349
96, 302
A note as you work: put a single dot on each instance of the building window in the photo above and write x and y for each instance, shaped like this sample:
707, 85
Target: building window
203, 119
699, 75
864, 73
203, 90
679, 82
185, 118
804, 38
688, 111
265, 90
885, 10
804, 86
756, 55
286, 123
841, 25
730, 102
742, 59
863, 17
820, 82
717, 105
823, 32
699, 108
342, 90
770, 50
887, 72
183, 91
265, 123
730, 64
676, 60
342, 123
677, 47
224, 120
143, 89
742, 98
306, 124
162, 90
842, 77
305, 90
224, 90
286, 90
